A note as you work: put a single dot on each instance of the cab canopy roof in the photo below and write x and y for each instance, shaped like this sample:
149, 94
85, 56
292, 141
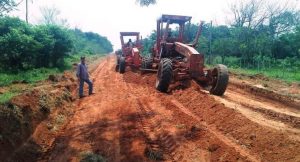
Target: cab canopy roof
175, 19
129, 33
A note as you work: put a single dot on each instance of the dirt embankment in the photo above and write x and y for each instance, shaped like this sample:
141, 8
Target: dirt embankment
128, 120
30, 121
22, 115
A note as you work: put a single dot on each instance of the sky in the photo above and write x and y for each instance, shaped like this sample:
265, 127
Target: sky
109, 17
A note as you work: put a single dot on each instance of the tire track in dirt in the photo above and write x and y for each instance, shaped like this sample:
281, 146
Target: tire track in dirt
250, 140
104, 123
171, 144
269, 144
290, 118
255, 101
160, 142
216, 133
272, 115
264, 95
127, 119
259, 117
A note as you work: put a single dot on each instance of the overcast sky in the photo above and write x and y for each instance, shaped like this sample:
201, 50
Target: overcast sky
109, 17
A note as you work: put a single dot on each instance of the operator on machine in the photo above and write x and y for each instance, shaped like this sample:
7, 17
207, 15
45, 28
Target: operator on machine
130, 43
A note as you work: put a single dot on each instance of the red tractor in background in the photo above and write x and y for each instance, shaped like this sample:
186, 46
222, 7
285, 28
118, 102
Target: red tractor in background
130, 53
174, 60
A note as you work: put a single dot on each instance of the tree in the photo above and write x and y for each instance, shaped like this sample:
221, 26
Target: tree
62, 44
18, 47
27, 11
283, 22
89, 42
248, 14
50, 16
7, 5
148, 43
146, 2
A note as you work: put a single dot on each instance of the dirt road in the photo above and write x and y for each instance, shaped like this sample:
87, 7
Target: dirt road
128, 120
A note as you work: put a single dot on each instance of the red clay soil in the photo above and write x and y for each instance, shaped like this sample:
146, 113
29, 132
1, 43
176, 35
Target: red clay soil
128, 120
28, 119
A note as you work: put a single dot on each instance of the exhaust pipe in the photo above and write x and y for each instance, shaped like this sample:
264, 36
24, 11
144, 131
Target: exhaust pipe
195, 42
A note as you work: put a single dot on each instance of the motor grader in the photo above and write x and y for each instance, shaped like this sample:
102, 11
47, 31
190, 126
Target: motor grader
177, 61
130, 53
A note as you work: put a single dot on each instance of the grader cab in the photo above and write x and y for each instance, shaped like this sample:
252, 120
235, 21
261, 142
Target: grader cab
178, 61
130, 52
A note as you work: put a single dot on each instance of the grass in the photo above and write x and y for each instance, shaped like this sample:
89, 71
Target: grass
76, 59
30, 76
281, 69
7, 96
274, 73
11, 92
35, 75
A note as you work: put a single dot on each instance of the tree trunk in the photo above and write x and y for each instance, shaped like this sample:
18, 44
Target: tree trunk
27, 11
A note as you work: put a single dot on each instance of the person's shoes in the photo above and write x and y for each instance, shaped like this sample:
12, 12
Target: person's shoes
92, 93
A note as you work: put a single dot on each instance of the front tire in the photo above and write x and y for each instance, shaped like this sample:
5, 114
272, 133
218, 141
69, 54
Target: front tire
122, 65
220, 80
164, 75
146, 63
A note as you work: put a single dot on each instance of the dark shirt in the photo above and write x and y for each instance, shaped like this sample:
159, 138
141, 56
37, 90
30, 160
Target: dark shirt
82, 72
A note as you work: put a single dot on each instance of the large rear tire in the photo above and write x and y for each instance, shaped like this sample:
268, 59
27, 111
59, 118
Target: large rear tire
220, 80
164, 75
122, 65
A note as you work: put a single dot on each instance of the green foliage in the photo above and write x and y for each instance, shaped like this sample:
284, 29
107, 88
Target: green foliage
56, 45
24, 47
17, 44
6, 6
30, 76
259, 50
7, 96
272, 73
148, 43
62, 45
284, 69
203, 45
89, 42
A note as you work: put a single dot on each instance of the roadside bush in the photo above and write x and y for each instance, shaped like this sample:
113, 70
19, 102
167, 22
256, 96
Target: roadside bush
18, 47
24, 47
89, 42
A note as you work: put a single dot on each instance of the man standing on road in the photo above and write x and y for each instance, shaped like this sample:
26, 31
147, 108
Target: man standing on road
83, 76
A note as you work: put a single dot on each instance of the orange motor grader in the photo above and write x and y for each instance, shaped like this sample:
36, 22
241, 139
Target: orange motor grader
175, 60
130, 53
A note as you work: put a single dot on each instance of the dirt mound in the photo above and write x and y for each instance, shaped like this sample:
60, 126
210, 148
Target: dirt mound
264, 93
263, 141
21, 116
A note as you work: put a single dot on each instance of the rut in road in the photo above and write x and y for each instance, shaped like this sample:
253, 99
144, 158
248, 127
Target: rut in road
128, 120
